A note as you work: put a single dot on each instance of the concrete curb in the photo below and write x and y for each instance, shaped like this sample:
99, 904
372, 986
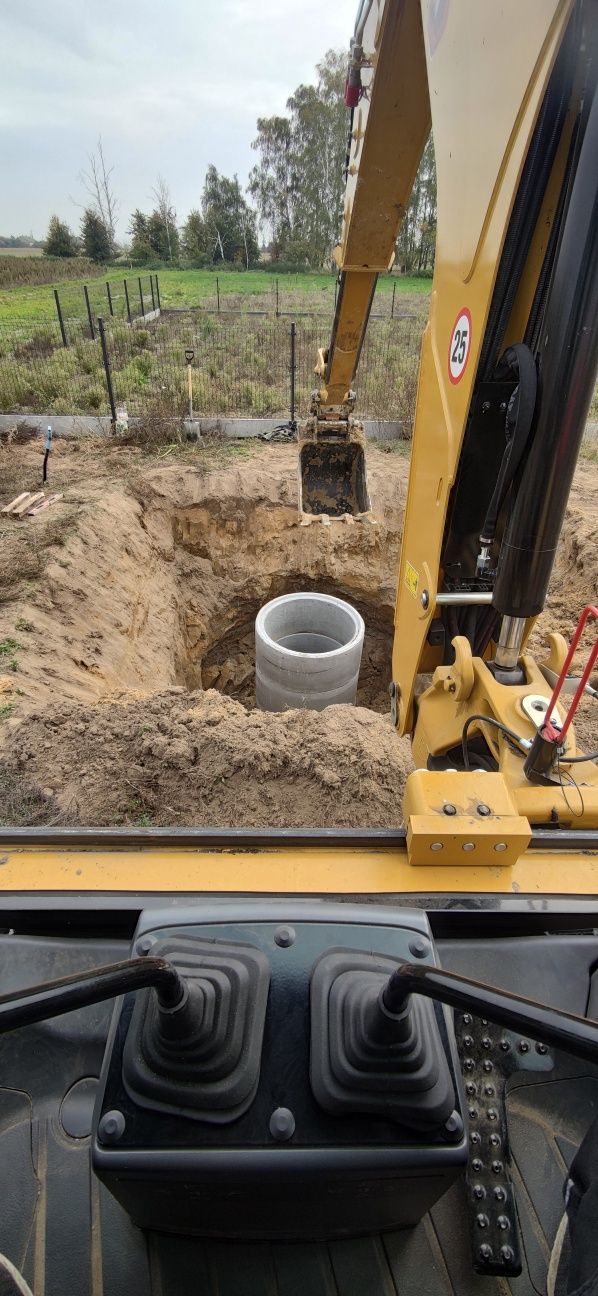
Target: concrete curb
235, 428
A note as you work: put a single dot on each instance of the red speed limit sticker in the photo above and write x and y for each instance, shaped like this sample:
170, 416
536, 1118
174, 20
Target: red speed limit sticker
459, 346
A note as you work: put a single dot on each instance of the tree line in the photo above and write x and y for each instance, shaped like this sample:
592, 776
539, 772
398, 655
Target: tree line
294, 198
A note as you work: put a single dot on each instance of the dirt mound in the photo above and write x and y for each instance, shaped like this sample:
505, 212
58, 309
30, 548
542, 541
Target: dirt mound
198, 758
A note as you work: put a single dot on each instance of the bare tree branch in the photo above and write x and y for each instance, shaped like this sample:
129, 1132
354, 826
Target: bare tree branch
165, 208
98, 183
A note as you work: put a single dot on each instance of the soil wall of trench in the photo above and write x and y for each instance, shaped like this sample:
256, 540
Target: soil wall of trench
139, 669
136, 666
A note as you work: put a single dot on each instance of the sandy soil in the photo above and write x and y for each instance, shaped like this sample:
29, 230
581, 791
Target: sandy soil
126, 689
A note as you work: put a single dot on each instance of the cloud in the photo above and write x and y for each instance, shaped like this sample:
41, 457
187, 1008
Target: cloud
169, 87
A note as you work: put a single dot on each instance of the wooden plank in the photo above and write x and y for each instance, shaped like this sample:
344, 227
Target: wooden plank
21, 509
19, 499
52, 499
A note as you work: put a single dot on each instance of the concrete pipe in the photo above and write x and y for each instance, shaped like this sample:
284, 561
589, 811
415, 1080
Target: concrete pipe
307, 652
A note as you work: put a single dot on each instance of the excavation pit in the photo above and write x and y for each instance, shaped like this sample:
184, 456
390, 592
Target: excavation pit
142, 694
229, 661
129, 613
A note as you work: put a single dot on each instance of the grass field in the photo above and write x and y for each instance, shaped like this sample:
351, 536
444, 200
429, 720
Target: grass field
188, 288
21, 252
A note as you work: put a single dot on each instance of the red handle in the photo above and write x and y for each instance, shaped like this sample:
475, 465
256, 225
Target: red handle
589, 613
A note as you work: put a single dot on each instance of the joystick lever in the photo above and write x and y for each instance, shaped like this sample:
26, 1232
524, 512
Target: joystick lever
377, 1042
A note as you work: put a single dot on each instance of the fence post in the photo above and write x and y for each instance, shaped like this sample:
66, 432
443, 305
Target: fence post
141, 296
151, 279
335, 291
293, 342
277, 310
218, 293
127, 300
158, 292
60, 319
107, 372
89, 314
109, 296
392, 309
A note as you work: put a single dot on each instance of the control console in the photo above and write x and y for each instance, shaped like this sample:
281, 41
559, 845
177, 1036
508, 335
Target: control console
280, 1096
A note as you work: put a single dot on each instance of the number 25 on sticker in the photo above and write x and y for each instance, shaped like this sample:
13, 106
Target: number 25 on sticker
460, 346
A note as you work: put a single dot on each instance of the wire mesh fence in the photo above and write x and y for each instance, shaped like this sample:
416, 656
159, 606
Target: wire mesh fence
239, 366
130, 298
242, 367
39, 375
292, 295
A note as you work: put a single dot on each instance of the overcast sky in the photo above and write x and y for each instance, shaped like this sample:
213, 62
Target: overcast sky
171, 85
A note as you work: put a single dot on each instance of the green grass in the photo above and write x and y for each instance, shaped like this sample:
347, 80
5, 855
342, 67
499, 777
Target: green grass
181, 288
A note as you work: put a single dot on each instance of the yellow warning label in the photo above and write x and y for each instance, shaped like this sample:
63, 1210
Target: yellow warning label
411, 579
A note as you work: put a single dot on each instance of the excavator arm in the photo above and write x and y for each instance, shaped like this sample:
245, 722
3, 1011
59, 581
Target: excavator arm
389, 126
507, 370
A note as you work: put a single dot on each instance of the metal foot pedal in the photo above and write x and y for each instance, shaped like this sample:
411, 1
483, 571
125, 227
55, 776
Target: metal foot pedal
489, 1055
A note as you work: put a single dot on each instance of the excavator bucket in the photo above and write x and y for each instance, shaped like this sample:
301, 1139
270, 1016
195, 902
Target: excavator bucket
332, 477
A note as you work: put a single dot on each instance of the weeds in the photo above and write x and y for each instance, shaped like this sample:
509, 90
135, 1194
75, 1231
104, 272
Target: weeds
156, 429
398, 445
23, 557
22, 802
8, 647
240, 367
6, 710
137, 814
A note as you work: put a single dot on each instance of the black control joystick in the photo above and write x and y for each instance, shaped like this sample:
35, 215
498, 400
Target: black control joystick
200, 1056
373, 1055
376, 1046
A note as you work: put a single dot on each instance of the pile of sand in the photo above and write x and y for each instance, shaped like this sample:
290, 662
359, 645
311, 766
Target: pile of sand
200, 758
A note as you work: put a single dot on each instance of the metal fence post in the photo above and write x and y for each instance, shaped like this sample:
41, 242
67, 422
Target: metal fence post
392, 309
127, 300
141, 296
60, 319
107, 372
293, 348
89, 314
277, 310
218, 293
109, 296
151, 279
158, 292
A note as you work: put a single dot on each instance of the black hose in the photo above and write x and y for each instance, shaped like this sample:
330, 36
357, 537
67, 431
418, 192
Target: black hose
518, 425
52, 998
509, 733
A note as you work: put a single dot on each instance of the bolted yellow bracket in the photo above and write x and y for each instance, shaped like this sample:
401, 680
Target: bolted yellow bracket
462, 817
